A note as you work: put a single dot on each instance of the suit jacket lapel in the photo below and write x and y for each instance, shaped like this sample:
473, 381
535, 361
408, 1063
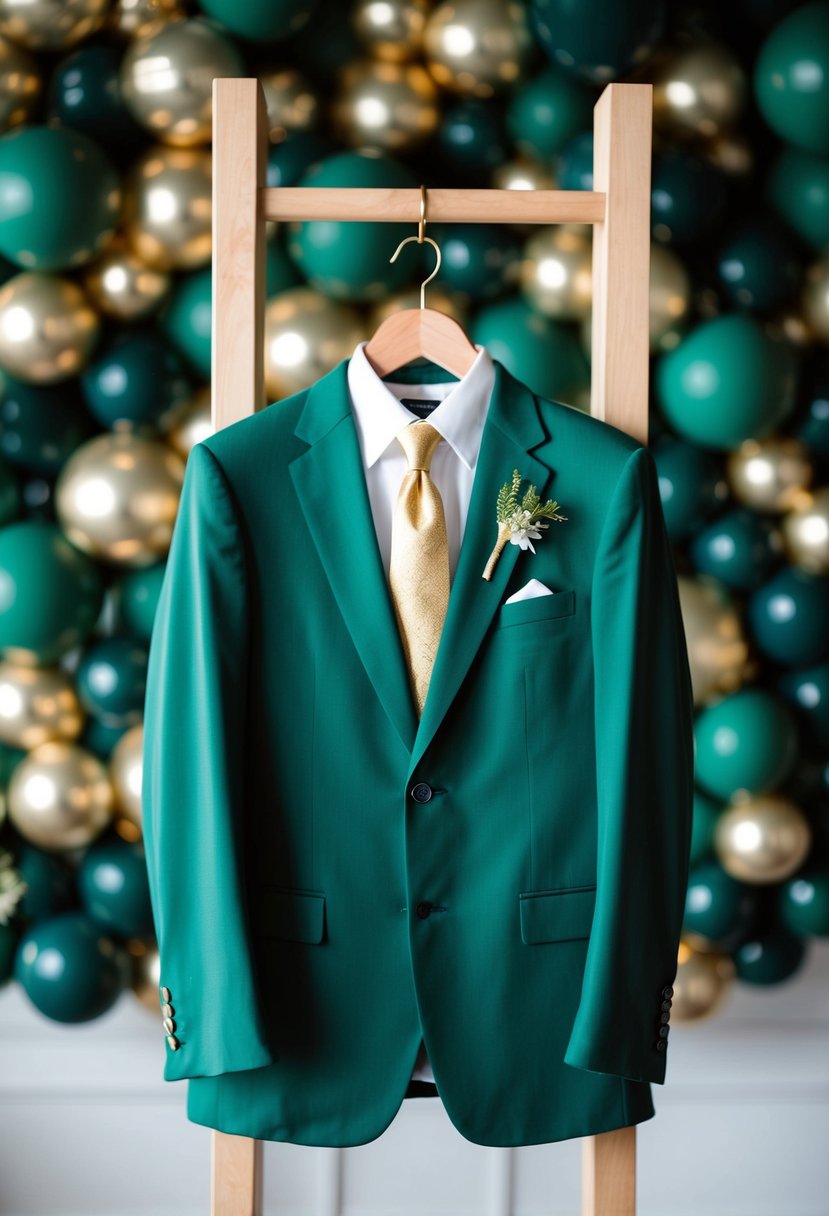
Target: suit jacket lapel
347, 542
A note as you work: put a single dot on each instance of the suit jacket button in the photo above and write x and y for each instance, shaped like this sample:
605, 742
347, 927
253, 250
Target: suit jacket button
667, 991
661, 1044
173, 1042
664, 1017
664, 1031
666, 1005
421, 792
423, 909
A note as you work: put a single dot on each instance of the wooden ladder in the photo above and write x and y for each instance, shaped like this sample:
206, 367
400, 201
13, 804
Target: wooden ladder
618, 207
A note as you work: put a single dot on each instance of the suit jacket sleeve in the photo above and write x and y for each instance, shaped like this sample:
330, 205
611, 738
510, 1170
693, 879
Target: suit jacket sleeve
644, 763
193, 772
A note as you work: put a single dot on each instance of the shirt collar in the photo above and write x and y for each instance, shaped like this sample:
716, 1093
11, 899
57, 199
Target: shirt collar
460, 417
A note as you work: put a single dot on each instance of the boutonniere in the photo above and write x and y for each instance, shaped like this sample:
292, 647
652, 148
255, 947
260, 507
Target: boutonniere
520, 523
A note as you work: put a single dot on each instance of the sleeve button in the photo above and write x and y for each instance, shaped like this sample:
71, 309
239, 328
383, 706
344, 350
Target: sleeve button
166, 994
169, 1025
172, 1042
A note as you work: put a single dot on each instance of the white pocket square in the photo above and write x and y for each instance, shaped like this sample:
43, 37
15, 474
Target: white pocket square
529, 591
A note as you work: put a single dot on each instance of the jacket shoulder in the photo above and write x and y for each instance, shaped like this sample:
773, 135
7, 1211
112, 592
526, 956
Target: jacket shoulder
241, 446
599, 446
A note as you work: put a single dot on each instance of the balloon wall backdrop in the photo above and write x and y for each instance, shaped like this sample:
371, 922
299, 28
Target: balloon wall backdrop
105, 245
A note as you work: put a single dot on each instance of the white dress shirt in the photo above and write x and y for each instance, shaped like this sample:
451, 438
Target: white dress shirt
378, 416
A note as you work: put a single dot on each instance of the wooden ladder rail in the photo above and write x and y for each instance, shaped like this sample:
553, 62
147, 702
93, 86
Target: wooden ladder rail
618, 208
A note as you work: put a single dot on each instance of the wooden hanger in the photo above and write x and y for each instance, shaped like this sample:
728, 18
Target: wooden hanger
420, 332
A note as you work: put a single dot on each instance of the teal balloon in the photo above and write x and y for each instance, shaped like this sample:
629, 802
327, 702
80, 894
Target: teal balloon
747, 741
139, 592
349, 260
479, 261
602, 42
323, 44
797, 187
807, 691
10, 757
717, 906
706, 813
50, 593
545, 112
689, 481
11, 500
295, 155
70, 969
9, 936
727, 381
739, 548
688, 197
114, 890
788, 617
50, 883
101, 737
544, 354
759, 267
811, 424
85, 94
59, 198
41, 425
574, 166
136, 380
111, 678
791, 78
472, 141
803, 902
261, 20
770, 958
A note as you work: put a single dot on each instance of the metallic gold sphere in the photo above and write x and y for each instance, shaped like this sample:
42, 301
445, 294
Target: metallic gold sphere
391, 29
48, 327
167, 79
146, 976
732, 153
816, 299
168, 208
717, 648
189, 423
60, 796
769, 474
762, 839
806, 531
125, 768
117, 495
138, 18
20, 85
38, 705
436, 297
670, 298
478, 47
699, 91
50, 25
703, 980
306, 335
391, 106
291, 103
122, 286
555, 271
523, 173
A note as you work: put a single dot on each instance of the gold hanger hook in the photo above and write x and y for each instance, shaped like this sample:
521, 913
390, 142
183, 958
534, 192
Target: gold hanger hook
420, 238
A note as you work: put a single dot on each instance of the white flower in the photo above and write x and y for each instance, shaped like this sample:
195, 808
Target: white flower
522, 529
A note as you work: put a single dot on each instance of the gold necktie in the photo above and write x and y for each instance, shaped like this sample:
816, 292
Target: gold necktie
419, 566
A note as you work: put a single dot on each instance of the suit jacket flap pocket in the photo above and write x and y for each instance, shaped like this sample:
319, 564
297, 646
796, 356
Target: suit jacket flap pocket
288, 913
556, 916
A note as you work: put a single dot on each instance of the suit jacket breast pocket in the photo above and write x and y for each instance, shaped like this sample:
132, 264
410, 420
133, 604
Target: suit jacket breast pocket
558, 607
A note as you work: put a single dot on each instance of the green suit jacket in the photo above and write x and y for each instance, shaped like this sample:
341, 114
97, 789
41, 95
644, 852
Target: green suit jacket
314, 918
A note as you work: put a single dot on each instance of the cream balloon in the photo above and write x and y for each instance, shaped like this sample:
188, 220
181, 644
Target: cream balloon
700, 90
478, 47
390, 106
50, 25
806, 531
762, 839
146, 976
717, 648
306, 335
189, 422
168, 208
60, 796
291, 103
703, 980
138, 18
38, 705
391, 29
48, 327
125, 768
555, 271
20, 85
769, 474
122, 285
815, 299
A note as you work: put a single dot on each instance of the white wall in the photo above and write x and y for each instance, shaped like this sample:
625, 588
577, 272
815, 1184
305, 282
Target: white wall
88, 1128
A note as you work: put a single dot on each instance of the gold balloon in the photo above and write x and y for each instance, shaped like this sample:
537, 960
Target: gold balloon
38, 705
806, 531
189, 422
523, 173
125, 767
60, 796
703, 981
146, 975
732, 153
409, 297
47, 327
555, 271
50, 25
478, 47
291, 103
122, 286
306, 335
167, 79
20, 84
717, 648
762, 839
390, 106
670, 298
699, 91
390, 29
816, 299
117, 495
168, 209
769, 474
138, 18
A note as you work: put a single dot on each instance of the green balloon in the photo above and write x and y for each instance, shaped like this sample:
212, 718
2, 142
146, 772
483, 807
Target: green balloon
261, 20
472, 140
690, 482
140, 589
10, 757
770, 958
479, 261
747, 741
706, 813
788, 616
575, 163
717, 906
136, 380
50, 593
85, 94
114, 889
543, 353
791, 78
101, 737
543, 114
111, 678
69, 969
798, 189
811, 426
807, 691
804, 902
688, 197
293, 156
59, 198
50, 883
599, 43
739, 548
760, 266
350, 260
41, 425
727, 381
11, 502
